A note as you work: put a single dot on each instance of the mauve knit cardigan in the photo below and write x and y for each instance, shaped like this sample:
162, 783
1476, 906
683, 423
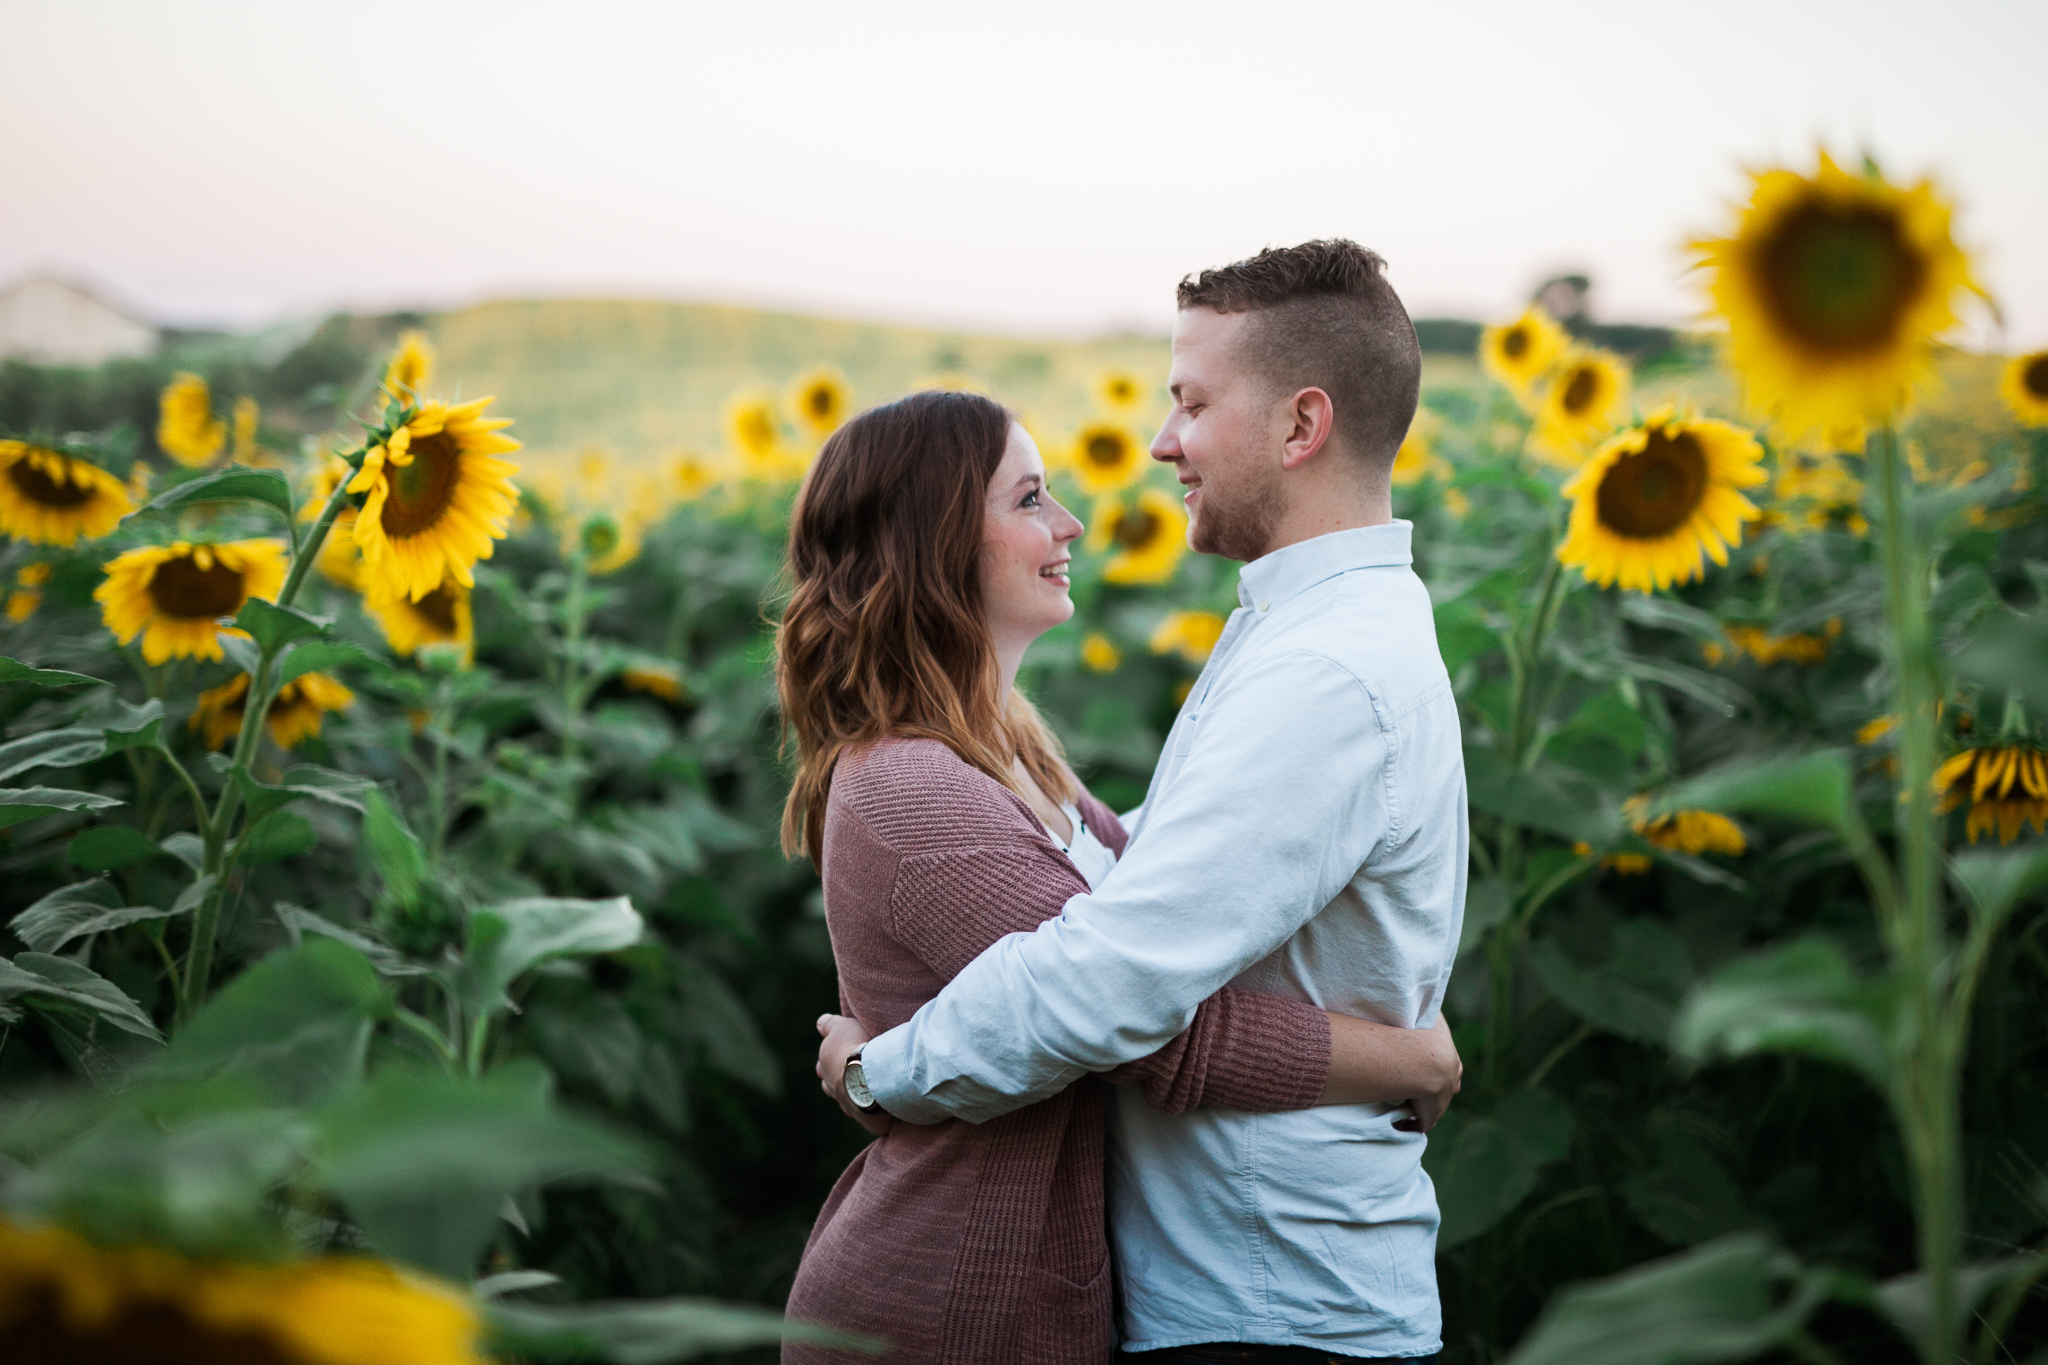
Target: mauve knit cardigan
973, 1244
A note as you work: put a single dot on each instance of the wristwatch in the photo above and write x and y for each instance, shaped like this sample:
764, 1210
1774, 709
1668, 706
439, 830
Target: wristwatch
857, 1085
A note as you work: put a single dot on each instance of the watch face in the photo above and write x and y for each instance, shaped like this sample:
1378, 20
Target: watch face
857, 1086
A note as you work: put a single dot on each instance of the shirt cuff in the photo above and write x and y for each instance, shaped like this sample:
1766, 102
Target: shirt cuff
885, 1066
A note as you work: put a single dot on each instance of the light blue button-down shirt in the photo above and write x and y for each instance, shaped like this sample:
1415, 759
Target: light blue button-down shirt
1304, 835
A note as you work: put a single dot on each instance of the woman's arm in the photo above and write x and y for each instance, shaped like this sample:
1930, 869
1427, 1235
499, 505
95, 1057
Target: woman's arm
1382, 1064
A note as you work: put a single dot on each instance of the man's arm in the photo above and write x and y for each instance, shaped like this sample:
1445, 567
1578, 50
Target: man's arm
1283, 797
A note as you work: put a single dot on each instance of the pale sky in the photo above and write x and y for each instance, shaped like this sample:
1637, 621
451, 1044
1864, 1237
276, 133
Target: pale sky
1036, 168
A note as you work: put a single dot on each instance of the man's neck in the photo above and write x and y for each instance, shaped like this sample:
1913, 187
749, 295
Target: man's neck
1308, 522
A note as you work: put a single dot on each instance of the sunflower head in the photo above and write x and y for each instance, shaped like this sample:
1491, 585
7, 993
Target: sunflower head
691, 476
1652, 504
1833, 285
755, 430
656, 680
1119, 391
1100, 654
2024, 386
2004, 785
442, 617
1148, 539
1106, 456
1585, 399
438, 497
607, 540
820, 400
1521, 352
186, 428
174, 596
412, 365
248, 423
27, 594
49, 498
1417, 459
1190, 634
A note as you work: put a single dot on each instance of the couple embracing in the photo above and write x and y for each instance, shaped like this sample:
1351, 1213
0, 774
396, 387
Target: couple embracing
1157, 1083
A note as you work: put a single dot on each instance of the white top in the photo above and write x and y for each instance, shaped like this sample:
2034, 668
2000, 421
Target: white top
1089, 855
1304, 835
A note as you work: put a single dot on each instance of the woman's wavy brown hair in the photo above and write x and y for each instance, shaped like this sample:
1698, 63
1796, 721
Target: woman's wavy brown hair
884, 633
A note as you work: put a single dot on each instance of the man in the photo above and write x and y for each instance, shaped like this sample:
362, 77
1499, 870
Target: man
1304, 834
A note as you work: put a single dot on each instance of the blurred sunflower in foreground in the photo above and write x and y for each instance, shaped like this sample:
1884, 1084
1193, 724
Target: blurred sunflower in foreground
438, 497
2005, 786
293, 716
50, 498
1833, 285
1521, 352
186, 428
2024, 387
1149, 538
1584, 401
1650, 505
175, 595
65, 1300
1106, 457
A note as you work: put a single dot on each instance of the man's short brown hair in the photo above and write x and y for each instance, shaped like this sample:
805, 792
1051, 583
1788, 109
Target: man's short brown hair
1326, 318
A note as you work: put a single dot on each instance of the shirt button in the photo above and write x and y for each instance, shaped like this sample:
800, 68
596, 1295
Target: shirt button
1264, 605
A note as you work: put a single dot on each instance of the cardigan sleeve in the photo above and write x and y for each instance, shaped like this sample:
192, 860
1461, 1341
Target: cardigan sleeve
1244, 1050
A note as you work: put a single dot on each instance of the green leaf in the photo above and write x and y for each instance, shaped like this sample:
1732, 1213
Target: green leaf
393, 850
124, 726
65, 748
43, 981
1484, 1167
297, 1023
1904, 1298
236, 483
111, 846
512, 1282
1993, 881
1552, 798
649, 1331
708, 1012
77, 910
514, 936
321, 656
1635, 994
1489, 902
423, 1162
1803, 997
386, 959
1717, 1302
1815, 788
2009, 652
12, 671
1685, 1195
273, 627
30, 803
281, 835
262, 797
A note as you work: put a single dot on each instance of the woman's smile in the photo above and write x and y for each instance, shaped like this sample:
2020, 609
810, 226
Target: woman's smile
1056, 572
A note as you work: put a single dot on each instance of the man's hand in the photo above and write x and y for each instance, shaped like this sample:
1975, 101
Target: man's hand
844, 1037
1428, 1109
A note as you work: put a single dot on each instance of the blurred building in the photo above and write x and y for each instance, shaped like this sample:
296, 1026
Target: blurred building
52, 321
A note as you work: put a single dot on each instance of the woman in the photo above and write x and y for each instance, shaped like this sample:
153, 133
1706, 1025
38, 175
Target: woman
927, 554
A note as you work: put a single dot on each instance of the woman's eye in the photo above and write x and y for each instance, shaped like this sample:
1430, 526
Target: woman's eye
1030, 499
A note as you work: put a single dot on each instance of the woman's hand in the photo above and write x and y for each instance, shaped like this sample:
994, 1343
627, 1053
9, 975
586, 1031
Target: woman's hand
844, 1037
1429, 1108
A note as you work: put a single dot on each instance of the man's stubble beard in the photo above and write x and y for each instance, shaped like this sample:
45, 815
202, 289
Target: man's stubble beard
1239, 527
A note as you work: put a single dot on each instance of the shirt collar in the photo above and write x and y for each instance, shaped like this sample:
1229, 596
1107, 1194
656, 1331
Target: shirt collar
1271, 579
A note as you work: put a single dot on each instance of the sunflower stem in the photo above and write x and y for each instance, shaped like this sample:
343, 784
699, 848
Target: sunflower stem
1928, 1039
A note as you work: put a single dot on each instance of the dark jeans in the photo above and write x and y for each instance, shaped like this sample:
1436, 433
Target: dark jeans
1238, 1353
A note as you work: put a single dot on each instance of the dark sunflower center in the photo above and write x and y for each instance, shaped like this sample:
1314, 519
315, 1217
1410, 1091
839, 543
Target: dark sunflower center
2034, 379
819, 401
135, 1332
1119, 390
421, 491
36, 485
1104, 451
1840, 278
181, 588
1651, 493
1515, 344
1578, 395
1136, 530
437, 609
600, 538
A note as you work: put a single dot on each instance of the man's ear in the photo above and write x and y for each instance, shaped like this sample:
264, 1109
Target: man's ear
1312, 418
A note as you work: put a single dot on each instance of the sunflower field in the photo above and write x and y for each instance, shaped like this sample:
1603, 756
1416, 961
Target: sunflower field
399, 966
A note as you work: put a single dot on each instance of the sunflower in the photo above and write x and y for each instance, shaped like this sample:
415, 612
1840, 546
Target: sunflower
412, 365
1768, 649
1190, 634
1417, 459
656, 680
2024, 386
691, 476
438, 497
63, 1299
2006, 787
1119, 391
186, 428
175, 595
52, 499
755, 429
820, 400
1585, 399
1649, 502
1832, 287
29, 581
1149, 538
1821, 491
442, 617
294, 714
1685, 831
1871, 731
1106, 457
1521, 352
607, 540
1100, 653
248, 423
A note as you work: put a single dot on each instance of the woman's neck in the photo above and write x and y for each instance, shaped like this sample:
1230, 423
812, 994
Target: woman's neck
1009, 658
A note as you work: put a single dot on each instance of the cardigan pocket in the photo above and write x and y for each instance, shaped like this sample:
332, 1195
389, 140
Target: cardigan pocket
1064, 1322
